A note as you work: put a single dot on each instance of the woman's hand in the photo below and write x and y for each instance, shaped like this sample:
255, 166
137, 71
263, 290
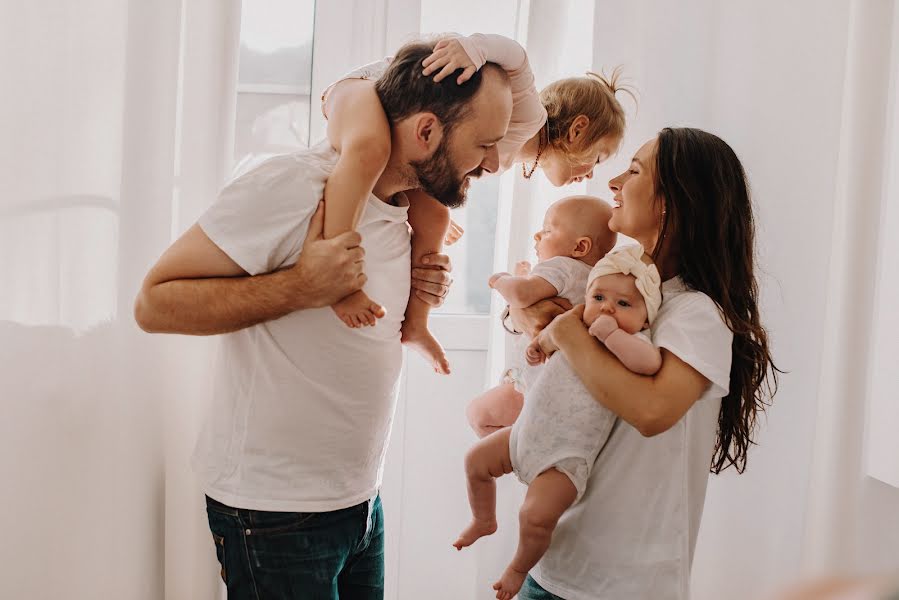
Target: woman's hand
453, 234
534, 318
448, 56
546, 342
432, 283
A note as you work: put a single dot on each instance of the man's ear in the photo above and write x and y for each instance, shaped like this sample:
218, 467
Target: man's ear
428, 132
582, 246
578, 128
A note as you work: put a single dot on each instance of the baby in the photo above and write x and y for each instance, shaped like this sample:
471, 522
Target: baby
553, 445
574, 236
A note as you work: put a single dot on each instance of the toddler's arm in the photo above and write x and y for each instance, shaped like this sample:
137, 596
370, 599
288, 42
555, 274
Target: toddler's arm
359, 130
520, 292
635, 353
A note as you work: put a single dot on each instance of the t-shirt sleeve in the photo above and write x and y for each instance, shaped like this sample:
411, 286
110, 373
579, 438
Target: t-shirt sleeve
556, 271
695, 332
260, 219
370, 71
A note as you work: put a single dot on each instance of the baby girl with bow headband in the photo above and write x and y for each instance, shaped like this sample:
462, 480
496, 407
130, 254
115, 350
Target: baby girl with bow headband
623, 298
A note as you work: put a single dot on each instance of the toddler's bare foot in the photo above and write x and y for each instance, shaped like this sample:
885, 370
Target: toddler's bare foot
509, 584
475, 530
421, 340
358, 310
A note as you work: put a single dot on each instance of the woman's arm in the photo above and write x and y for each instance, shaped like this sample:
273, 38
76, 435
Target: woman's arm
652, 404
359, 130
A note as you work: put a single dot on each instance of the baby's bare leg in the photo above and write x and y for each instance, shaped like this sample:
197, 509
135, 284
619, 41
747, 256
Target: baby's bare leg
487, 460
495, 409
549, 495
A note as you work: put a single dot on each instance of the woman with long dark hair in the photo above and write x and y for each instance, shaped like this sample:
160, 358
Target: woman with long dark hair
686, 200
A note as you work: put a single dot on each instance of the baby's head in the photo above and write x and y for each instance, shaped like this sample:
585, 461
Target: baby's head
625, 285
576, 227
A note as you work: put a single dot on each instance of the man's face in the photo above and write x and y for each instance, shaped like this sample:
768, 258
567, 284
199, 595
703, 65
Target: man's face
470, 147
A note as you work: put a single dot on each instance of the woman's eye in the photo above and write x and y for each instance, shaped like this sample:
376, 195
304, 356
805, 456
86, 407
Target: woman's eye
633, 172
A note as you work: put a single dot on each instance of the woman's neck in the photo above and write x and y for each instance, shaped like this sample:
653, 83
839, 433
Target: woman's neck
667, 262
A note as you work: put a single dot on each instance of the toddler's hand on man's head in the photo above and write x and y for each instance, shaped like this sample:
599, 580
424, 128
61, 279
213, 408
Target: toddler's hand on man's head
603, 326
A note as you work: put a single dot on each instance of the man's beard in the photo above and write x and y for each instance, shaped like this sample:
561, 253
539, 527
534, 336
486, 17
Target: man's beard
438, 178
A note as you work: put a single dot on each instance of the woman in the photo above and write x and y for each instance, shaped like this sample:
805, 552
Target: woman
685, 199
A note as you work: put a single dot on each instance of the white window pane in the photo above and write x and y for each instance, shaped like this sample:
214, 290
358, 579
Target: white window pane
472, 256
276, 42
270, 124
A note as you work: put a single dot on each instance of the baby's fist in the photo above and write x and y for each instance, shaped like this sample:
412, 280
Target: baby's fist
522, 268
495, 277
534, 354
603, 326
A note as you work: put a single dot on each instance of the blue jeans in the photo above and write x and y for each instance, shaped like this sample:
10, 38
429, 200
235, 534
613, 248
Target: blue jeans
531, 590
298, 556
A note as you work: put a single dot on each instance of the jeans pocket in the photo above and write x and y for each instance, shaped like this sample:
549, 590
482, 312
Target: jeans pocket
220, 554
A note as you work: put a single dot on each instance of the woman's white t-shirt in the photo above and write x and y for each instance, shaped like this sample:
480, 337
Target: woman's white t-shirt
633, 533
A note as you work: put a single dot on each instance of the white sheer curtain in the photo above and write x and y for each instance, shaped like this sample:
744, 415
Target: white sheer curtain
114, 116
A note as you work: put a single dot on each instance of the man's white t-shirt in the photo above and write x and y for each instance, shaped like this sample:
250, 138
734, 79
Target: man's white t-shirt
302, 405
633, 533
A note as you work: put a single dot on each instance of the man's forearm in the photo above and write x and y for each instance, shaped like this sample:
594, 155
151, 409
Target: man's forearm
217, 305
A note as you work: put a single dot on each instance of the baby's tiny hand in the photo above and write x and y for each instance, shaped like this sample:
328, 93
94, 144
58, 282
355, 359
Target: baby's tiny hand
534, 354
522, 268
496, 276
603, 326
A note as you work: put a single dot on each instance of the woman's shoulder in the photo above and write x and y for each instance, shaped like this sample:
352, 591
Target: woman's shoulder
679, 299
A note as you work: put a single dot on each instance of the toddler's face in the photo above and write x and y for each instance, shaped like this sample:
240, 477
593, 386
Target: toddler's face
616, 295
557, 238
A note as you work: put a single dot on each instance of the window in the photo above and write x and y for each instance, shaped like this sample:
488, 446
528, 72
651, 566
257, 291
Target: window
274, 78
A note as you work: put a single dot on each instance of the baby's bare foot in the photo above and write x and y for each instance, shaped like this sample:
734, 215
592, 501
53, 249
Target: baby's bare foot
475, 530
424, 343
358, 310
509, 584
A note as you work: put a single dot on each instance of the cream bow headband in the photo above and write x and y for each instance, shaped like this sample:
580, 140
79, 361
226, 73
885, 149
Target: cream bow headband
629, 261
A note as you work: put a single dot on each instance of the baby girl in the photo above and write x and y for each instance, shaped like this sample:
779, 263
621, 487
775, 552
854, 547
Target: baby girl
553, 444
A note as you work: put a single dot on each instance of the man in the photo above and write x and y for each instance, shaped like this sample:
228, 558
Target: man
292, 454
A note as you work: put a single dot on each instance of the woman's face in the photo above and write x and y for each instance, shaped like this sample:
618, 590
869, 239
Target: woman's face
637, 209
563, 169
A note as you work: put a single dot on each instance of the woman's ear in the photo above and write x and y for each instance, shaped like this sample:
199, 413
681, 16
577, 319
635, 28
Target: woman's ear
578, 128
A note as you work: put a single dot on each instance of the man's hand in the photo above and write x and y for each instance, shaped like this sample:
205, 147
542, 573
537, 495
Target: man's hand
432, 283
328, 270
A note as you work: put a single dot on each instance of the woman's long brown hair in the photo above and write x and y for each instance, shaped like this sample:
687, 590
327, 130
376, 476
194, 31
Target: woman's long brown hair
708, 217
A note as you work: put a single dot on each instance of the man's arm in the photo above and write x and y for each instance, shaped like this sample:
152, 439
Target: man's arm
197, 289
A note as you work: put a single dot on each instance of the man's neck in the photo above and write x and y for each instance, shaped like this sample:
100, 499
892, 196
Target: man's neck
393, 180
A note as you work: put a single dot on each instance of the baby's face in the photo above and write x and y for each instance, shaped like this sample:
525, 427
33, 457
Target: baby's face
616, 295
558, 236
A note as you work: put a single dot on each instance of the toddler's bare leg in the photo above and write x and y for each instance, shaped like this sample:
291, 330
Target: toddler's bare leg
429, 220
487, 460
495, 409
549, 495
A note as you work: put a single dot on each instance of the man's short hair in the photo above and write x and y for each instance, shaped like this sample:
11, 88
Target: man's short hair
404, 91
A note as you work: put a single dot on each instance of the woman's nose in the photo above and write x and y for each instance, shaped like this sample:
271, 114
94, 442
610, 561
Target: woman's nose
615, 184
